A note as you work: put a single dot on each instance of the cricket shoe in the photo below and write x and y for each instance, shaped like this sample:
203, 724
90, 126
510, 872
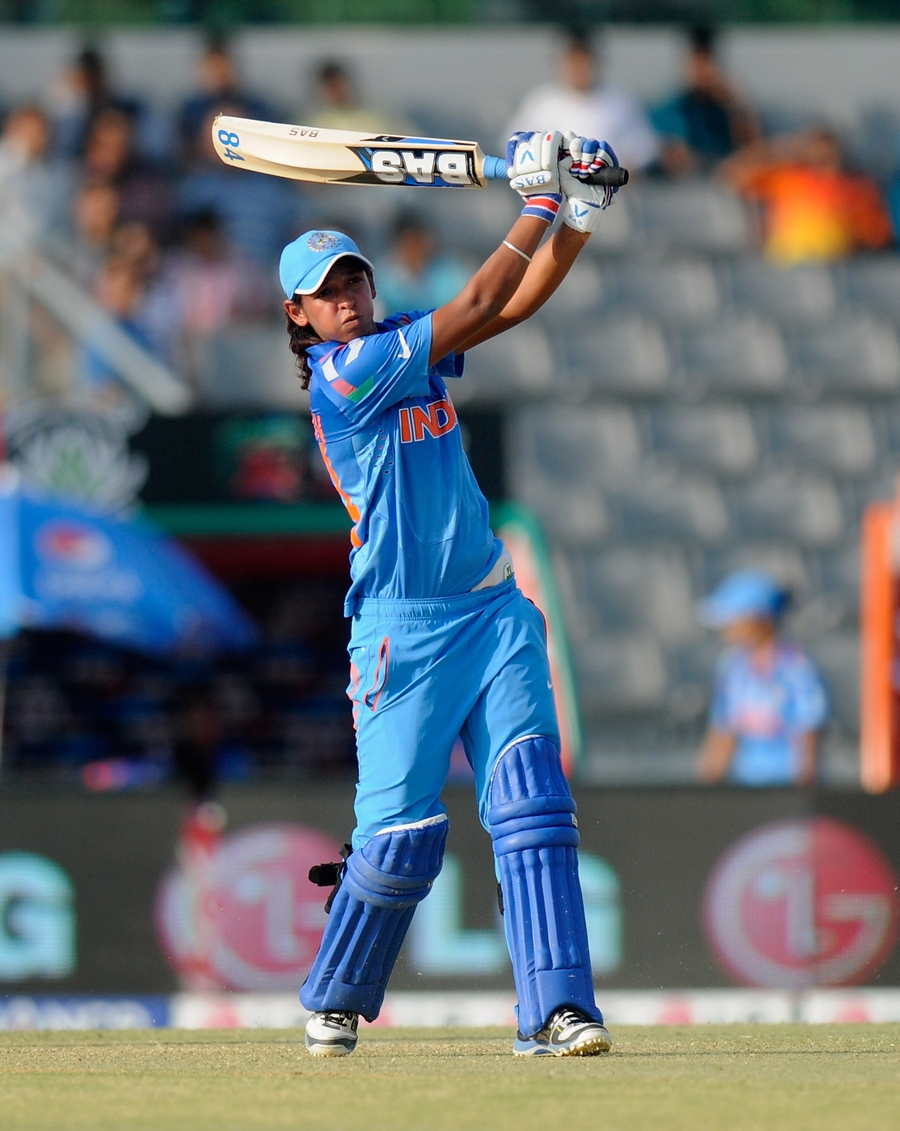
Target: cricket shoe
332, 1033
567, 1033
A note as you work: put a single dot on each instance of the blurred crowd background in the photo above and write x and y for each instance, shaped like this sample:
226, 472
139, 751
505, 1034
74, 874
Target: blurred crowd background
715, 386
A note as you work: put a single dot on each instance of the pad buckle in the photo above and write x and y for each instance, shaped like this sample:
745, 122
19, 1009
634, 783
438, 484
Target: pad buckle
330, 875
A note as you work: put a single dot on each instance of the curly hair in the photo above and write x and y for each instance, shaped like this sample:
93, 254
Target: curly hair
301, 338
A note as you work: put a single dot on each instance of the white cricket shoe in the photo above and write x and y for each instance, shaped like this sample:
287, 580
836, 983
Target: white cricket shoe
332, 1033
567, 1033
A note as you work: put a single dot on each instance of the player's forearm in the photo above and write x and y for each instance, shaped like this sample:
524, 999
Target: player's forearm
715, 756
495, 283
549, 267
544, 275
488, 291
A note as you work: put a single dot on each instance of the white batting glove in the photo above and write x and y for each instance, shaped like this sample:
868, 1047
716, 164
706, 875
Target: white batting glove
532, 160
583, 202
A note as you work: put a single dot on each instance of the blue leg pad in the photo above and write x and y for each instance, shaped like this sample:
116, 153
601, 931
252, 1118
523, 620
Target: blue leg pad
535, 834
370, 916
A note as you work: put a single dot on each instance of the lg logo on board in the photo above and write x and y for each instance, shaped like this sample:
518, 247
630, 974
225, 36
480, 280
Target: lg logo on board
243, 915
801, 903
37, 918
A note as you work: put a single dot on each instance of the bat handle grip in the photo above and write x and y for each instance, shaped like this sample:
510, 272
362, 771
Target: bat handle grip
495, 170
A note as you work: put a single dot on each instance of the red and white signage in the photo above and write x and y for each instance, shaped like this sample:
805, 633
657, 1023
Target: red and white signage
799, 903
244, 916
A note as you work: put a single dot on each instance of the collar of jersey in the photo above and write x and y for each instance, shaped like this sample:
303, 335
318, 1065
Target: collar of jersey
322, 349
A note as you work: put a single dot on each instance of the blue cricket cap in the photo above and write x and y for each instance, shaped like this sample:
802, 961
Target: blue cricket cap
747, 593
305, 262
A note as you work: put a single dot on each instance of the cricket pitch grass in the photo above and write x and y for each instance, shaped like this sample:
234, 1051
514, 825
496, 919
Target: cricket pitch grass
709, 1078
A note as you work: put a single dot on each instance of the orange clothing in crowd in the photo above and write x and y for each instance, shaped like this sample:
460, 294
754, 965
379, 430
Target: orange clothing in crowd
813, 213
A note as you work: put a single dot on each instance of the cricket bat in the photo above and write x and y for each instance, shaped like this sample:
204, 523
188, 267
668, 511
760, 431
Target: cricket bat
342, 157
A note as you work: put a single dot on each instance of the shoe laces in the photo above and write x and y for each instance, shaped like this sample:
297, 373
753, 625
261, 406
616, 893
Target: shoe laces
566, 1019
339, 1017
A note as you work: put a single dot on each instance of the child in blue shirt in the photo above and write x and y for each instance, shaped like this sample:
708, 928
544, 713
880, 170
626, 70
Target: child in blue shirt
768, 701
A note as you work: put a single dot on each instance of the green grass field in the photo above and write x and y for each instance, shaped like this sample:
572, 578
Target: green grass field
759, 1078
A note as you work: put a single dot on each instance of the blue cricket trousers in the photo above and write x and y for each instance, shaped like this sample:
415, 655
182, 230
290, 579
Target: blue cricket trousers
423, 673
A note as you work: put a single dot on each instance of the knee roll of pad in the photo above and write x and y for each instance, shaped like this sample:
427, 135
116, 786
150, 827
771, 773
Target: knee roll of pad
535, 836
371, 913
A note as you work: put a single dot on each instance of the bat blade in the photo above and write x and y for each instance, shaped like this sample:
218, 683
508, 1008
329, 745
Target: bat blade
306, 153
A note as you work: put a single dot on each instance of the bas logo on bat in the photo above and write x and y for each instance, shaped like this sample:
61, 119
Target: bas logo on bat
437, 167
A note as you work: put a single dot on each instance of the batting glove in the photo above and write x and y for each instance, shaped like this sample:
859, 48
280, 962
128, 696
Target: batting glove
533, 168
585, 202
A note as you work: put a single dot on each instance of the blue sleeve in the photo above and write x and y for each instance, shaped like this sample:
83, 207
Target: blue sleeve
809, 699
451, 365
369, 374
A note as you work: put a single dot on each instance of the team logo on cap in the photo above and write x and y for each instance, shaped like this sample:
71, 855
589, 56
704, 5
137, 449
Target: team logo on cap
321, 241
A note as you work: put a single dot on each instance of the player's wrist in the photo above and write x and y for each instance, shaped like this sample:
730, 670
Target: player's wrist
544, 206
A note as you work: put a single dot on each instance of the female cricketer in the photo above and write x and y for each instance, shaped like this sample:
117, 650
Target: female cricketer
443, 643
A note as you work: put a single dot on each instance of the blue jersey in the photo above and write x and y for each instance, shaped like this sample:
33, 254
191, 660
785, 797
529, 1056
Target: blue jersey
390, 439
767, 708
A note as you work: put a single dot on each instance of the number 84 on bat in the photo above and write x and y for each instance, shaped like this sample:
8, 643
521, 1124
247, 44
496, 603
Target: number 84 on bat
305, 153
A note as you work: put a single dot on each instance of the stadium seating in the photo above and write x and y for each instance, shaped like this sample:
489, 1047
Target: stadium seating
797, 296
240, 350
624, 354
740, 352
679, 291
698, 215
835, 437
519, 364
718, 437
874, 282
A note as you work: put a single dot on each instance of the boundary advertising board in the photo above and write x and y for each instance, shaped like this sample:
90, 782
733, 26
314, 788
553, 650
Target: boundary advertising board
683, 888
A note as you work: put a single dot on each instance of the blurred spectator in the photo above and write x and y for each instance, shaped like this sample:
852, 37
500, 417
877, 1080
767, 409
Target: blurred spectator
84, 92
145, 192
708, 119
415, 277
214, 282
220, 92
121, 290
813, 208
127, 287
160, 314
580, 102
259, 214
34, 189
768, 700
134, 241
95, 213
337, 105
212, 285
